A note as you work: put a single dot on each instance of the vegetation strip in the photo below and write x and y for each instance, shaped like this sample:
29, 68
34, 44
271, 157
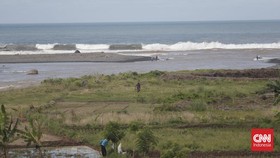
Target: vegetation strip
182, 114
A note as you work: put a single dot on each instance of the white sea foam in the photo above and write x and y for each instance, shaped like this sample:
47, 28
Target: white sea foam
185, 46
45, 46
143, 54
5, 87
155, 47
92, 46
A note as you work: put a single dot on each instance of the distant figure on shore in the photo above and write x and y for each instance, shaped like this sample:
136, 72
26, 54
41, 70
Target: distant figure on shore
138, 87
154, 58
77, 51
103, 143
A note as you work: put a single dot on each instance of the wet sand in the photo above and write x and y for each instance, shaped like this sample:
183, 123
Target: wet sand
71, 57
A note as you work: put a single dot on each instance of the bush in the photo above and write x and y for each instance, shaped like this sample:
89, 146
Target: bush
55, 81
135, 126
275, 88
114, 132
145, 140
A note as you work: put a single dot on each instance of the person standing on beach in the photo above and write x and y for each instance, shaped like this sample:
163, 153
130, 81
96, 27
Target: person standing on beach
103, 143
138, 87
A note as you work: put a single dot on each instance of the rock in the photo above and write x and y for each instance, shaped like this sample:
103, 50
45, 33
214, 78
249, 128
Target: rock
65, 47
14, 47
33, 72
77, 51
125, 47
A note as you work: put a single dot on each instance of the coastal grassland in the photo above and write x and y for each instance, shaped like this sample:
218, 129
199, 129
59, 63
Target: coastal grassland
187, 110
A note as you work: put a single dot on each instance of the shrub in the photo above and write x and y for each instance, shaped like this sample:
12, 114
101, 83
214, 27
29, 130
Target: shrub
275, 88
8, 129
145, 140
114, 132
33, 134
54, 81
135, 126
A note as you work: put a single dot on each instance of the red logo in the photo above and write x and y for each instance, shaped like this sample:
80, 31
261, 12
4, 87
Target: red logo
262, 139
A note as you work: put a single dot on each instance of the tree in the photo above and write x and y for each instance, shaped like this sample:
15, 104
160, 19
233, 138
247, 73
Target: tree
114, 132
33, 134
8, 129
145, 140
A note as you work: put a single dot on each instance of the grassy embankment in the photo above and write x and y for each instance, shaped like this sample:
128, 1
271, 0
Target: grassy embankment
194, 112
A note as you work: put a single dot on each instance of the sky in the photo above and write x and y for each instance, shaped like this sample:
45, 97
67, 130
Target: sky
71, 11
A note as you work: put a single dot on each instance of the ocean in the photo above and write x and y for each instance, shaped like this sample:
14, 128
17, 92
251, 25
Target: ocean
179, 46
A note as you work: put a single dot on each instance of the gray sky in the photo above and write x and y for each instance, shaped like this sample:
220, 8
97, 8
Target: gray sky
64, 11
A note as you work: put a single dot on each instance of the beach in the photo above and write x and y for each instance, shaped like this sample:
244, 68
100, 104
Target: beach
71, 57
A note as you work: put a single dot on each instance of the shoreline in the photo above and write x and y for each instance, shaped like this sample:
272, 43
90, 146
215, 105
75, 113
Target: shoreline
254, 74
71, 57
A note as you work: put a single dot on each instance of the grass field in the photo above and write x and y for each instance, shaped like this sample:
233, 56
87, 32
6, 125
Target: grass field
188, 111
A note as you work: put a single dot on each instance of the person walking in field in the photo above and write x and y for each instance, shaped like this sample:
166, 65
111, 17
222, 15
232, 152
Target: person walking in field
103, 143
138, 87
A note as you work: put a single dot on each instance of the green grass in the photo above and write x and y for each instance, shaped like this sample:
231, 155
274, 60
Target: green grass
164, 104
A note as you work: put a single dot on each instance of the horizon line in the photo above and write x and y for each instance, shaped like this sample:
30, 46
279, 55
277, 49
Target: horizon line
100, 22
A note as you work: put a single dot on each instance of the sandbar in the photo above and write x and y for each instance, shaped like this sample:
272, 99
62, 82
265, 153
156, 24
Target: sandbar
71, 57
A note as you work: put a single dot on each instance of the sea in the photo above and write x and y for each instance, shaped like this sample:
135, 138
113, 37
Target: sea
177, 45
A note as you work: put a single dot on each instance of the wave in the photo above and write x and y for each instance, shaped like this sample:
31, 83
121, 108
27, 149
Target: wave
92, 46
45, 46
185, 46
181, 46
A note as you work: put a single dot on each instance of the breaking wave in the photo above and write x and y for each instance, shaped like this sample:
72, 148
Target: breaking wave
184, 46
181, 46
92, 46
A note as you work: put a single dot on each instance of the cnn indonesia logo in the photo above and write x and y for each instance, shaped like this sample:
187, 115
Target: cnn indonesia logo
262, 139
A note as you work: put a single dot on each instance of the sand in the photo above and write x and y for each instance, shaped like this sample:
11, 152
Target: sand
71, 57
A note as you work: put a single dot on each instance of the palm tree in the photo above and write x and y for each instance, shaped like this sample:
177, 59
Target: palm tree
8, 129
